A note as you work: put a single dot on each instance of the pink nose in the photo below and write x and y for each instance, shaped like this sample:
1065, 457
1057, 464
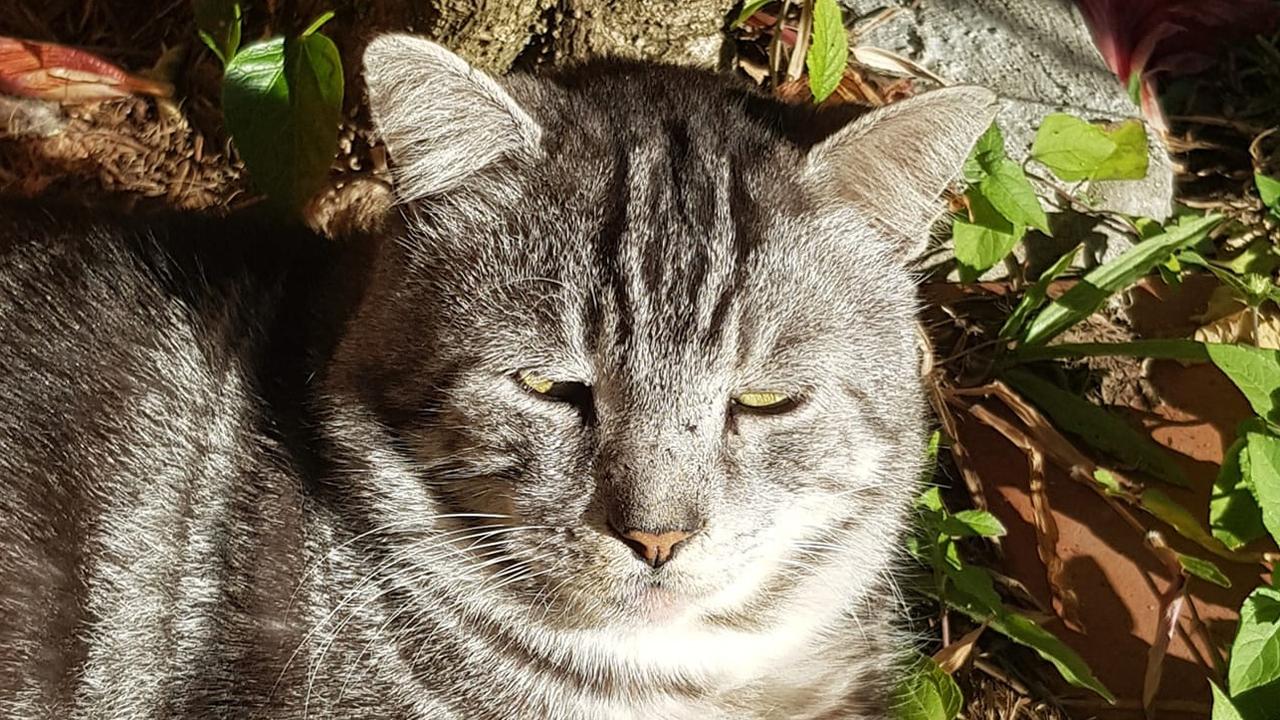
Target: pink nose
655, 548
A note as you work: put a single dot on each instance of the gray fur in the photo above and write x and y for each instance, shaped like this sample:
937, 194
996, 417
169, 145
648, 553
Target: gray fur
245, 474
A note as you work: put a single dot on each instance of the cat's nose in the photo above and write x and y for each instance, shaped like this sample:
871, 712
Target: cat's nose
656, 547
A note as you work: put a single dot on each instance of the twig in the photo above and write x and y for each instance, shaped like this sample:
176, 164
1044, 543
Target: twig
796, 64
775, 45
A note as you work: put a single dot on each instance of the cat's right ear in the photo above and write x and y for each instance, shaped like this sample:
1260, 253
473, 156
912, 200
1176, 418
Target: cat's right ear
441, 119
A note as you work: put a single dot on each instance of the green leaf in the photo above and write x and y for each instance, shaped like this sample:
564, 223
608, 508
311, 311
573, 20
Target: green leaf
1077, 150
1179, 518
1096, 426
283, 103
1024, 631
931, 499
1264, 479
1160, 349
1203, 569
1259, 257
218, 26
1234, 515
749, 8
1108, 481
829, 53
988, 149
1070, 147
1129, 160
1222, 707
1268, 190
1036, 295
972, 586
972, 523
1255, 371
1255, 654
1092, 291
926, 692
986, 240
1008, 190
1070, 665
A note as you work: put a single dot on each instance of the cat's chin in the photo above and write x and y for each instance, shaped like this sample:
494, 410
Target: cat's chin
655, 604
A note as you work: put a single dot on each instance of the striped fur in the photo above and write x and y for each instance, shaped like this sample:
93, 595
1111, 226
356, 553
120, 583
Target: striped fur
244, 473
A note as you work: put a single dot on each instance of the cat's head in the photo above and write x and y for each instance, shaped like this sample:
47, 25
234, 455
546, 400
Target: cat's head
639, 356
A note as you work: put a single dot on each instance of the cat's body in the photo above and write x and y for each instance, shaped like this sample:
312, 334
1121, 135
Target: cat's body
248, 473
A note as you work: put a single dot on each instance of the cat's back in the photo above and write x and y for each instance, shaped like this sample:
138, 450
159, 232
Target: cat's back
129, 406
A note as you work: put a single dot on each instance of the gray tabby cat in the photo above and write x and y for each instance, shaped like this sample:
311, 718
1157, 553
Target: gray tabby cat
621, 420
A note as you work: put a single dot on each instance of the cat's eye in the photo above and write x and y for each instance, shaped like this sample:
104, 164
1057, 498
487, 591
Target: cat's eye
535, 383
575, 393
764, 401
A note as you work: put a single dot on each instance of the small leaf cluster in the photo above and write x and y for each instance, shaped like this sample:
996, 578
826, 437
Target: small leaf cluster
1001, 204
1245, 506
281, 101
926, 693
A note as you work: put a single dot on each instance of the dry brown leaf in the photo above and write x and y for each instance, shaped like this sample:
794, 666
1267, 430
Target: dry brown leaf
1066, 602
953, 657
886, 61
1171, 604
1229, 320
49, 71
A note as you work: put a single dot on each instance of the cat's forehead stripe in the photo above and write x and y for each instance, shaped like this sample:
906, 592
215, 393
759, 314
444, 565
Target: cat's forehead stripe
674, 247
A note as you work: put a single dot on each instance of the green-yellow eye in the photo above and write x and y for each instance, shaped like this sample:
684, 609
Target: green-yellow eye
536, 383
764, 400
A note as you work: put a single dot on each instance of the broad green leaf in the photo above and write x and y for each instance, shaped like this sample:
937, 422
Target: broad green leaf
1203, 569
749, 8
1036, 295
1096, 426
1008, 190
1259, 703
973, 586
1129, 160
986, 240
1070, 665
283, 101
1255, 654
1070, 147
926, 692
1092, 291
1179, 518
1269, 191
972, 523
829, 53
1234, 515
1222, 707
1159, 349
1264, 479
218, 26
1077, 150
989, 148
1255, 371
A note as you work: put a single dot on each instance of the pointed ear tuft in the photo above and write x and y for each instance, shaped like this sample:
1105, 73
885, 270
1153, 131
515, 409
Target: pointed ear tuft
894, 163
441, 119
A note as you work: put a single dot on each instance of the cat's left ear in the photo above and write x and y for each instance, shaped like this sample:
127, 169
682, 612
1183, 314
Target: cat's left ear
442, 120
894, 162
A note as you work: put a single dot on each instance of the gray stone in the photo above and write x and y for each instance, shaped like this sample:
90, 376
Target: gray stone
1038, 56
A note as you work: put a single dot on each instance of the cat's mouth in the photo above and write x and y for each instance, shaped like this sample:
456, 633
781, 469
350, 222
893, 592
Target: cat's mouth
661, 604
